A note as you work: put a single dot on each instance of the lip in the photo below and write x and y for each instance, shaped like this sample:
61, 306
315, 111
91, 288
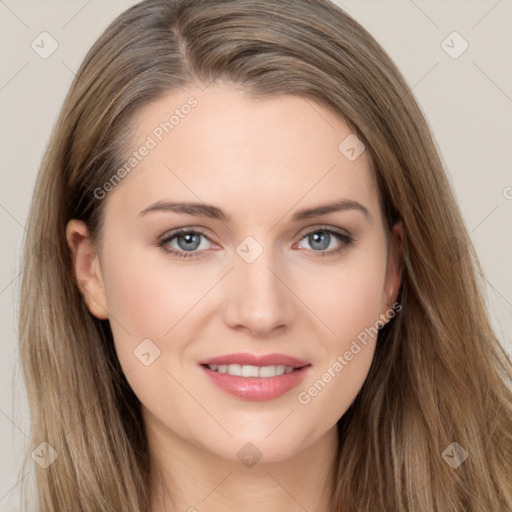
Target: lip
257, 388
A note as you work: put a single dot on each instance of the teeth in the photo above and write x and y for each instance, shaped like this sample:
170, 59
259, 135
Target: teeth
234, 369
247, 371
271, 371
251, 371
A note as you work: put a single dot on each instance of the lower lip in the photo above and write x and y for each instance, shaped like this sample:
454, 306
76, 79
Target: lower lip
257, 388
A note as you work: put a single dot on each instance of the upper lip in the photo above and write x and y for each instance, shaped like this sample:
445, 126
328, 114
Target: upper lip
244, 358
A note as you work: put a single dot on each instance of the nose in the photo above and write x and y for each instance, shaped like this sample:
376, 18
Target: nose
258, 298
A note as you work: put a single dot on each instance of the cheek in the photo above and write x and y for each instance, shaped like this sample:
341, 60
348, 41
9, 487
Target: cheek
348, 296
149, 299
350, 307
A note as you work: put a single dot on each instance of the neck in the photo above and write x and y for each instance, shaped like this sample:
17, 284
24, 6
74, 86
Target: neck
191, 479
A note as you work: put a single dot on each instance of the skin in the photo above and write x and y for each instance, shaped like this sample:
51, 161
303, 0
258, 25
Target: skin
260, 161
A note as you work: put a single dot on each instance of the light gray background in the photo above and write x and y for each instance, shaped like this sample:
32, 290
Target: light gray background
467, 101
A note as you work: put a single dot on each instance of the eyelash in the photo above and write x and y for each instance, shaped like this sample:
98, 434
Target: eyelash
165, 239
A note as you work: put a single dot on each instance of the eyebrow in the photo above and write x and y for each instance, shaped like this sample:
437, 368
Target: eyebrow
212, 212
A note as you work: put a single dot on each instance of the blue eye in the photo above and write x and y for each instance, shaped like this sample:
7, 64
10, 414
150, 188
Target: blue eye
187, 243
320, 239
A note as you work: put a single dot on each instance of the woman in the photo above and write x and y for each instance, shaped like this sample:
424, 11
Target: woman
252, 287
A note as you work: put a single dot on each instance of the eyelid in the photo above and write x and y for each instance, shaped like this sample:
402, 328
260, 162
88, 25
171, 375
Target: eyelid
178, 231
324, 227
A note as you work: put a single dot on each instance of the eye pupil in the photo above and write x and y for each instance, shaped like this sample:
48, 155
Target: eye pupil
192, 241
318, 239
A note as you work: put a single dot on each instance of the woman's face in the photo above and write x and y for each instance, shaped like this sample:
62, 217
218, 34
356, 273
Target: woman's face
267, 278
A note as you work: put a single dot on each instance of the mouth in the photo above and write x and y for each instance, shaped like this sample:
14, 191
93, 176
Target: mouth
251, 377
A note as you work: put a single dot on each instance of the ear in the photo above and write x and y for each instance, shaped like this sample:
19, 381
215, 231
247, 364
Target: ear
394, 268
86, 268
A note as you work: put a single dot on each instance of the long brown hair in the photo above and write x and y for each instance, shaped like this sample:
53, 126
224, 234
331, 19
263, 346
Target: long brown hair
439, 373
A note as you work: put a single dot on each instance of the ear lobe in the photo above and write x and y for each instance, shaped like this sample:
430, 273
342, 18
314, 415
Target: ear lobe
86, 267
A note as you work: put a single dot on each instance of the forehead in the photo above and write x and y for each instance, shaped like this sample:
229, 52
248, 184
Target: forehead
223, 146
